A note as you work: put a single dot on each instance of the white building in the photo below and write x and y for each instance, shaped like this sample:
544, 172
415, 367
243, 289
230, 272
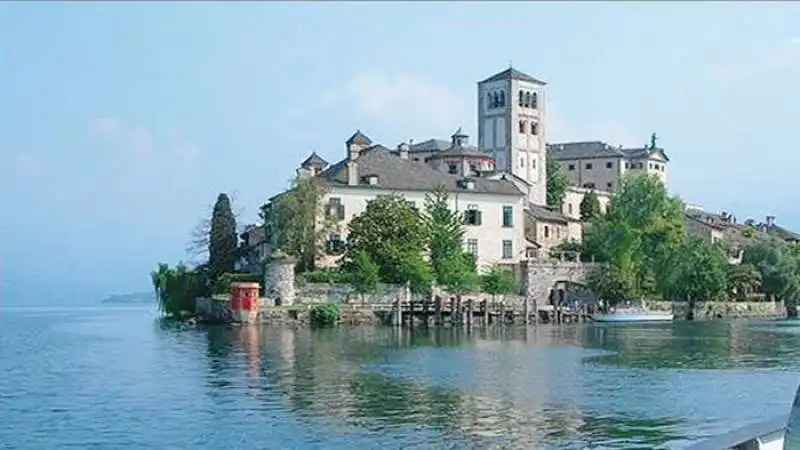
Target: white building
493, 206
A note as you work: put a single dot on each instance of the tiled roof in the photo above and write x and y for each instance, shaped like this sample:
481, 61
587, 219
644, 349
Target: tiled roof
314, 161
396, 173
544, 213
597, 149
699, 219
359, 138
430, 145
468, 151
783, 233
513, 74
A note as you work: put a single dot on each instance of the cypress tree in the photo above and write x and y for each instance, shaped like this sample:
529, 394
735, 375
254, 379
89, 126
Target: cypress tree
223, 240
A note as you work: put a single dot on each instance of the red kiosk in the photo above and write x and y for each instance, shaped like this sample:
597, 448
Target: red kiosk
244, 301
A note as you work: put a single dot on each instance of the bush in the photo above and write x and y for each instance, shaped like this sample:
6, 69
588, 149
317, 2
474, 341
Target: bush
326, 276
325, 315
223, 283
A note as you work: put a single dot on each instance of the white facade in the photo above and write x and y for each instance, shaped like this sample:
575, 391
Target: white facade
513, 130
489, 240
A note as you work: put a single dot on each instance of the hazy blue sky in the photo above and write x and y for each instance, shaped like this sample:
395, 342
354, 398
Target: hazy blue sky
120, 122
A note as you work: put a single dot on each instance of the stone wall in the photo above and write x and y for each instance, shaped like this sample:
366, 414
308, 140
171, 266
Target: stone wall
713, 310
313, 293
214, 310
539, 277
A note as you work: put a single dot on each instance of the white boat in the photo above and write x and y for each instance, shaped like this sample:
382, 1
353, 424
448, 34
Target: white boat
634, 311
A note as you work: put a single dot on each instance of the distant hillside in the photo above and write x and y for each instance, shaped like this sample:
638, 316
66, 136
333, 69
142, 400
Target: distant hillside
137, 298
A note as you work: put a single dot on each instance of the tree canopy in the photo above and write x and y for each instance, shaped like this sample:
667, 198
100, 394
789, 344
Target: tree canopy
700, 271
299, 219
451, 266
393, 234
779, 270
557, 183
590, 206
223, 240
640, 235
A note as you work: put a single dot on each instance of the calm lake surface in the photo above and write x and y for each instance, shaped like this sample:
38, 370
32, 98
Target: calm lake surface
113, 377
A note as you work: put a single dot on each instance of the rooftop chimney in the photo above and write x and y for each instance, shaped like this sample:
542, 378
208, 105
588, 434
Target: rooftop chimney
402, 149
352, 172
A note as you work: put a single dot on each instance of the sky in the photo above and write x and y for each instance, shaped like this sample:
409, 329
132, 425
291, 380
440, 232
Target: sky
121, 122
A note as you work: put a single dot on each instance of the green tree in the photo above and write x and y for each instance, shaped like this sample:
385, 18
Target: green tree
743, 279
641, 234
498, 281
780, 277
223, 240
557, 183
611, 285
700, 272
394, 235
412, 269
458, 275
177, 288
362, 274
299, 222
446, 230
590, 206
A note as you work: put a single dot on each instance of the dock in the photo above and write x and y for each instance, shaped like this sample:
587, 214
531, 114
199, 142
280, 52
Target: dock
468, 312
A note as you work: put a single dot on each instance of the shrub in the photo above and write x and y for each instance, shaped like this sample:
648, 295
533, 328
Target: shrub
325, 315
223, 283
326, 276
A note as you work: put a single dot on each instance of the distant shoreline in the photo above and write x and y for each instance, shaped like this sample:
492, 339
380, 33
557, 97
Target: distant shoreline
136, 298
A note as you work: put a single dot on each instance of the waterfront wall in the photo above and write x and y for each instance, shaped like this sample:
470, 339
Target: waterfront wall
726, 310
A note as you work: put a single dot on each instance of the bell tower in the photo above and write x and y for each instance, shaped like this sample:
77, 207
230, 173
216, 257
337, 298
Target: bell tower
511, 127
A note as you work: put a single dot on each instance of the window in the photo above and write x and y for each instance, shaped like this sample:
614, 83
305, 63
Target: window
533, 164
521, 126
472, 216
335, 209
589, 166
534, 100
508, 216
452, 169
609, 165
546, 232
589, 185
521, 98
534, 128
474, 169
522, 161
335, 244
472, 246
610, 185
571, 167
569, 208
627, 165
527, 99
640, 166
508, 249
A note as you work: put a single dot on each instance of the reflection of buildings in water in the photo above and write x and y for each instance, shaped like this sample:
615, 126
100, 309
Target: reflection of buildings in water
518, 384
251, 340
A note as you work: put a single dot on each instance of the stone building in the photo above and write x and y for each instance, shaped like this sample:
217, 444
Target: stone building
600, 166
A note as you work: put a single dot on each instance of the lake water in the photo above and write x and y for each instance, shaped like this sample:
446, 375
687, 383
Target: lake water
114, 378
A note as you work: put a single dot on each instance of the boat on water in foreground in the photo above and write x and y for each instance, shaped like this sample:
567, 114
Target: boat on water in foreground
634, 311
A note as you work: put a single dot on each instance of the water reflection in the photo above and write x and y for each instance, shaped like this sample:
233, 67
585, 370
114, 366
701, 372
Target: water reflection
443, 387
